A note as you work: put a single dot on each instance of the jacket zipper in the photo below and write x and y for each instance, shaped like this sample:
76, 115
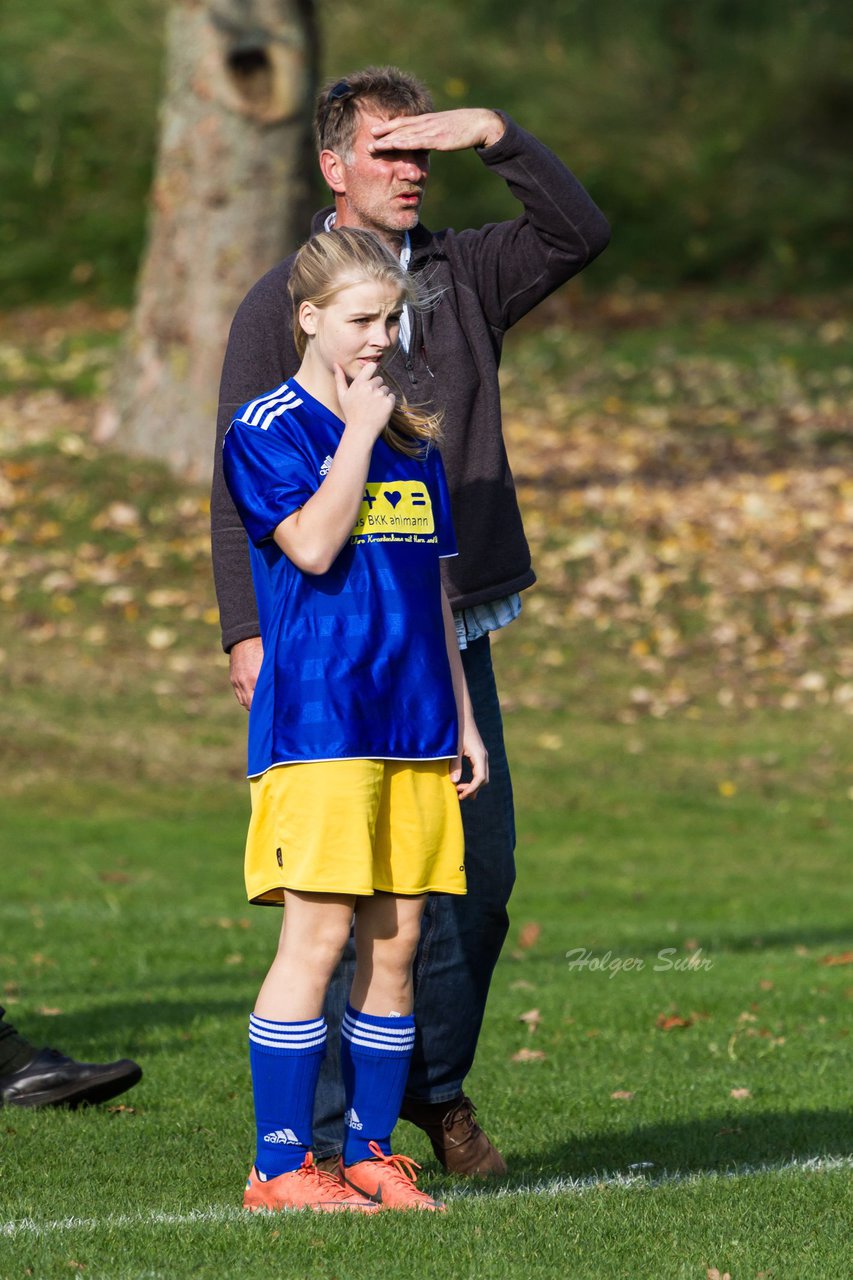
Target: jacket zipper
410, 359
416, 343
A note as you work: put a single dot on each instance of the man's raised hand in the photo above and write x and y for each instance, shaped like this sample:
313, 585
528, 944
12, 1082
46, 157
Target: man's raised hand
455, 130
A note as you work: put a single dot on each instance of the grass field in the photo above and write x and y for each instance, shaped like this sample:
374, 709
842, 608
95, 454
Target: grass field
666, 1055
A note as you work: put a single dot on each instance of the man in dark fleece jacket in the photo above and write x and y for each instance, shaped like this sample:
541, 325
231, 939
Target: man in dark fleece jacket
375, 130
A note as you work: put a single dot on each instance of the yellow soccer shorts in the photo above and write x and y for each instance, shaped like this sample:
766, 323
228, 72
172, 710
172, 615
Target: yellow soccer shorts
354, 827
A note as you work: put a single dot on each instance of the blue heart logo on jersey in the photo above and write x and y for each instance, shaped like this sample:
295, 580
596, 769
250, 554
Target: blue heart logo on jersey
393, 496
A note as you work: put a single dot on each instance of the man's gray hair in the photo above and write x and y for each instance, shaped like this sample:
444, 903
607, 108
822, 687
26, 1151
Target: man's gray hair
387, 90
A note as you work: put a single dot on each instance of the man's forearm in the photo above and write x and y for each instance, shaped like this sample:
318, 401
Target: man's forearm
229, 545
235, 593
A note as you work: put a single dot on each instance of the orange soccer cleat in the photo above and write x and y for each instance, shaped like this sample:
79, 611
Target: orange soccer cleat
389, 1181
305, 1188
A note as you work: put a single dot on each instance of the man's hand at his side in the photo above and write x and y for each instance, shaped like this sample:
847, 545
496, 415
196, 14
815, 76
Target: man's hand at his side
439, 131
245, 663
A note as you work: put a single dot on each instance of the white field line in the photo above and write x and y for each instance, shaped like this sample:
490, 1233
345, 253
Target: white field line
634, 1178
203, 1217
564, 1185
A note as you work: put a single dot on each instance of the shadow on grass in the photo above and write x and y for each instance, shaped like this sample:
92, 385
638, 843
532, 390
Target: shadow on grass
719, 1144
134, 1026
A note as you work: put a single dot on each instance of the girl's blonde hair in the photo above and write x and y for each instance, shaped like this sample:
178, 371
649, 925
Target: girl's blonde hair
330, 262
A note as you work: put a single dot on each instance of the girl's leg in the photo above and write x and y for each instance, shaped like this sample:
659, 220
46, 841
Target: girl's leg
314, 932
287, 1034
387, 932
378, 1032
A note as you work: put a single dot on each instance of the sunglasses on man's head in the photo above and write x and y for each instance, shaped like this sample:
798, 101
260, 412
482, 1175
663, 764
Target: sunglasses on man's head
339, 92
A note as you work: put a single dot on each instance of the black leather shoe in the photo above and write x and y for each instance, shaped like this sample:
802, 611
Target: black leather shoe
52, 1080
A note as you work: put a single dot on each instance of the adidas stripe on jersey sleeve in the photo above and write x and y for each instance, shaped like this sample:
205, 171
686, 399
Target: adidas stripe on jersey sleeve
267, 469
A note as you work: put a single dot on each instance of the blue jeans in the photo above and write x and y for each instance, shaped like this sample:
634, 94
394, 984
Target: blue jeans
461, 937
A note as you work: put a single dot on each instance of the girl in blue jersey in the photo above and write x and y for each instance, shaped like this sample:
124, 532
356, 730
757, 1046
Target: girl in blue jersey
359, 721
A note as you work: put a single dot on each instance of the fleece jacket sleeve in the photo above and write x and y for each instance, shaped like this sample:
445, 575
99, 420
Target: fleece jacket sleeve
514, 265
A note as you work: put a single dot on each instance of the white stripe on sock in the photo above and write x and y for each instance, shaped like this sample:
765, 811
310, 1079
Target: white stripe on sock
396, 1030
287, 1035
319, 1024
369, 1036
287, 1044
363, 1029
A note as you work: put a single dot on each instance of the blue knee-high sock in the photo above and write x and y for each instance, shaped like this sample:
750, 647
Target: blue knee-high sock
286, 1058
375, 1056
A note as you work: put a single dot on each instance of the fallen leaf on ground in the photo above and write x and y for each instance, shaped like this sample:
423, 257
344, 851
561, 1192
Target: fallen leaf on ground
118, 516
529, 935
161, 638
844, 957
528, 1055
740, 1093
669, 1021
622, 1095
533, 1017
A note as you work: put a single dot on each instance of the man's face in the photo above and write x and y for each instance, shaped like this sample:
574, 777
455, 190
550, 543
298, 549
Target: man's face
382, 192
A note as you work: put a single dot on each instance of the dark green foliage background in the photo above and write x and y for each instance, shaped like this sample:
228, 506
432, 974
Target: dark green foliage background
712, 133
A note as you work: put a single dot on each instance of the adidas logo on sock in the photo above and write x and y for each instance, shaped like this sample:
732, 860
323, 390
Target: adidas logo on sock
351, 1119
284, 1136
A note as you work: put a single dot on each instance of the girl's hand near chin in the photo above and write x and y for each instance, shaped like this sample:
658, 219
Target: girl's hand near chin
367, 402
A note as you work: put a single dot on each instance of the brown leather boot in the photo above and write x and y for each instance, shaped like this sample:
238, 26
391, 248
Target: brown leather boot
457, 1140
331, 1164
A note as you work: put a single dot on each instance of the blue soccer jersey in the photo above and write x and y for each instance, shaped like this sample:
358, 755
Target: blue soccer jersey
355, 659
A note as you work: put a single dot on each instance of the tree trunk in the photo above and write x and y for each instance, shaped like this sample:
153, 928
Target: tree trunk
229, 199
